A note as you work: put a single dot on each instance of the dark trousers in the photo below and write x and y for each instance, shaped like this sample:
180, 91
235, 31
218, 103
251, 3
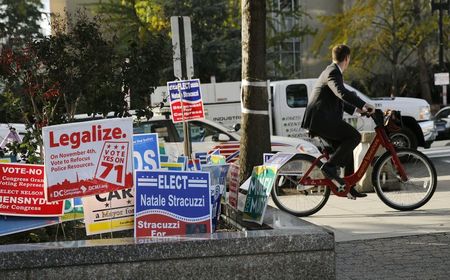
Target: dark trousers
343, 138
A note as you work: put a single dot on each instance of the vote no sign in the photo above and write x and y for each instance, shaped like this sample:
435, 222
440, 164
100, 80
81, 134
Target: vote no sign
83, 159
22, 192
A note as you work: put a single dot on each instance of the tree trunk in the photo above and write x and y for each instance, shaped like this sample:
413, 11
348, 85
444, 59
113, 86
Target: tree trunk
255, 119
421, 62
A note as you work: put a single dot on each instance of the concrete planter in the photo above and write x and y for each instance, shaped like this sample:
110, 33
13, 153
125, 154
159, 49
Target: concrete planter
293, 249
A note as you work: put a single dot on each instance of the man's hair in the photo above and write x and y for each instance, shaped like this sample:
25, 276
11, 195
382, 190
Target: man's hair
340, 52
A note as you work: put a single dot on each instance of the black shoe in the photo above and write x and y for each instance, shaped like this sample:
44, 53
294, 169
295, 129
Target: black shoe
355, 193
330, 170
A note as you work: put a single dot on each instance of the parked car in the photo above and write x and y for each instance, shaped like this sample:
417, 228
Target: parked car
207, 136
442, 121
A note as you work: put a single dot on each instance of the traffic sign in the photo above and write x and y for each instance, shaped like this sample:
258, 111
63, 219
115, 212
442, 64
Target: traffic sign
183, 62
441, 79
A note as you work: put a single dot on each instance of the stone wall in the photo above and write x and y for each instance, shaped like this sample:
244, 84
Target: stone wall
293, 249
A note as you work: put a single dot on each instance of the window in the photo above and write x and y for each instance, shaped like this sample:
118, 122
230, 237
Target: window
200, 132
297, 96
159, 127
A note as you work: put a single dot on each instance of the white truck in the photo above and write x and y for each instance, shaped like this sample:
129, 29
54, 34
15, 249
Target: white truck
289, 98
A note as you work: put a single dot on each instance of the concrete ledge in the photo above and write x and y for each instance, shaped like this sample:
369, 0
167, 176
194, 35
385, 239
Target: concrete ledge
293, 249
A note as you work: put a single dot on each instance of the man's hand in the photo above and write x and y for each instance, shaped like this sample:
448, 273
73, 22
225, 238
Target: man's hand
366, 110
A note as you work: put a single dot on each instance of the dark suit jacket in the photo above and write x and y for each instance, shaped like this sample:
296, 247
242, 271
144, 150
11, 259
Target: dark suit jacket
329, 100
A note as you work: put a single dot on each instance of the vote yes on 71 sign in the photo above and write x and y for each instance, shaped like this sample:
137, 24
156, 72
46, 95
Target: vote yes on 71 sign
87, 158
172, 203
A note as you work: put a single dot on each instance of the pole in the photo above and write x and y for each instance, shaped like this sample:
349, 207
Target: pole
441, 37
440, 6
444, 96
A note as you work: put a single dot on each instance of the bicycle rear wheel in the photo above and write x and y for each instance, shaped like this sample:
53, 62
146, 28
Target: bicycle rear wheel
409, 195
294, 198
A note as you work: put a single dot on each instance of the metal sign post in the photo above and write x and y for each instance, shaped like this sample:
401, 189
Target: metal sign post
183, 64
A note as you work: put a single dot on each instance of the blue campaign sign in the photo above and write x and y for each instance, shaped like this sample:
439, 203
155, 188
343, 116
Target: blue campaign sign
146, 151
190, 90
10, 224
172, 203
218, 174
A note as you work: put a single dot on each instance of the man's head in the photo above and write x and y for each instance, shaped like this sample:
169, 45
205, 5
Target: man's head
341, 55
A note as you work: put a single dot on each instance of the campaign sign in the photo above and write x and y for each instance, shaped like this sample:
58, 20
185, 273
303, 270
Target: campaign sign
10, 225
279, 159
202, 156
83, 159
8, 159
73, 210
172, 203
266, 157
22, 192
261, 182
217, 175
173, 166
12, 137
233, 185
193, 165
108, 212
145, 151
190, 106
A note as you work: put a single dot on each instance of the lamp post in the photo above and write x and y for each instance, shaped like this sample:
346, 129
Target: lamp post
441, 6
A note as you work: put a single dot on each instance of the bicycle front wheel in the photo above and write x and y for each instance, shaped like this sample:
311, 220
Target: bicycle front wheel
412, 193
294, 198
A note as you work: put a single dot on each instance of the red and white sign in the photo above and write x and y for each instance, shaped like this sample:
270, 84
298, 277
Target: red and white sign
22, 192
233, 185
185, 100
88, 158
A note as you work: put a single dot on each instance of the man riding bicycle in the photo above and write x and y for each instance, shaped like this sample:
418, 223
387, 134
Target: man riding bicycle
324, 116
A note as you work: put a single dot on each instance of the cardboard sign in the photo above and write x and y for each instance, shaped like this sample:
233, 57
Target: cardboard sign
108, 212
185, 100
10, 225
73, 210
279, 159
266, 157
12, 137
22, 192
83, 159
146, 151
217, 175
172, 203
202, 156
173, 166
233, 185
261, 182
193, 165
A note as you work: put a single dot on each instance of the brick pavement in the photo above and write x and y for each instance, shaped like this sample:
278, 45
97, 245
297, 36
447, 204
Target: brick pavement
407, 257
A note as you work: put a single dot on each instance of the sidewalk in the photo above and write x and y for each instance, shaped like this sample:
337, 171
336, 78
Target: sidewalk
369, 218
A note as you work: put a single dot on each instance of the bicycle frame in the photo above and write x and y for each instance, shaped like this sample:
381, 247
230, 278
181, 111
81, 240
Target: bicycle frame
381, 139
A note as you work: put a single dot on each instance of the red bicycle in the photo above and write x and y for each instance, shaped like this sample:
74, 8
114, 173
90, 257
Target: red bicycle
404, 179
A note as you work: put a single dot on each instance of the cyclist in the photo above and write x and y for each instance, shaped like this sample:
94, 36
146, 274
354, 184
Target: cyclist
324, 116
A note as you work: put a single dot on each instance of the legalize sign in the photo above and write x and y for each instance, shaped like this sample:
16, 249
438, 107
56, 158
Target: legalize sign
83, 159
172, 203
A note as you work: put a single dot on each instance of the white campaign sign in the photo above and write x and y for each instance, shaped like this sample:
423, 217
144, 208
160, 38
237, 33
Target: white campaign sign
83, 159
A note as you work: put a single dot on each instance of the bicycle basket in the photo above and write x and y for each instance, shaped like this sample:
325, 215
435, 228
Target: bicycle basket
393, 121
